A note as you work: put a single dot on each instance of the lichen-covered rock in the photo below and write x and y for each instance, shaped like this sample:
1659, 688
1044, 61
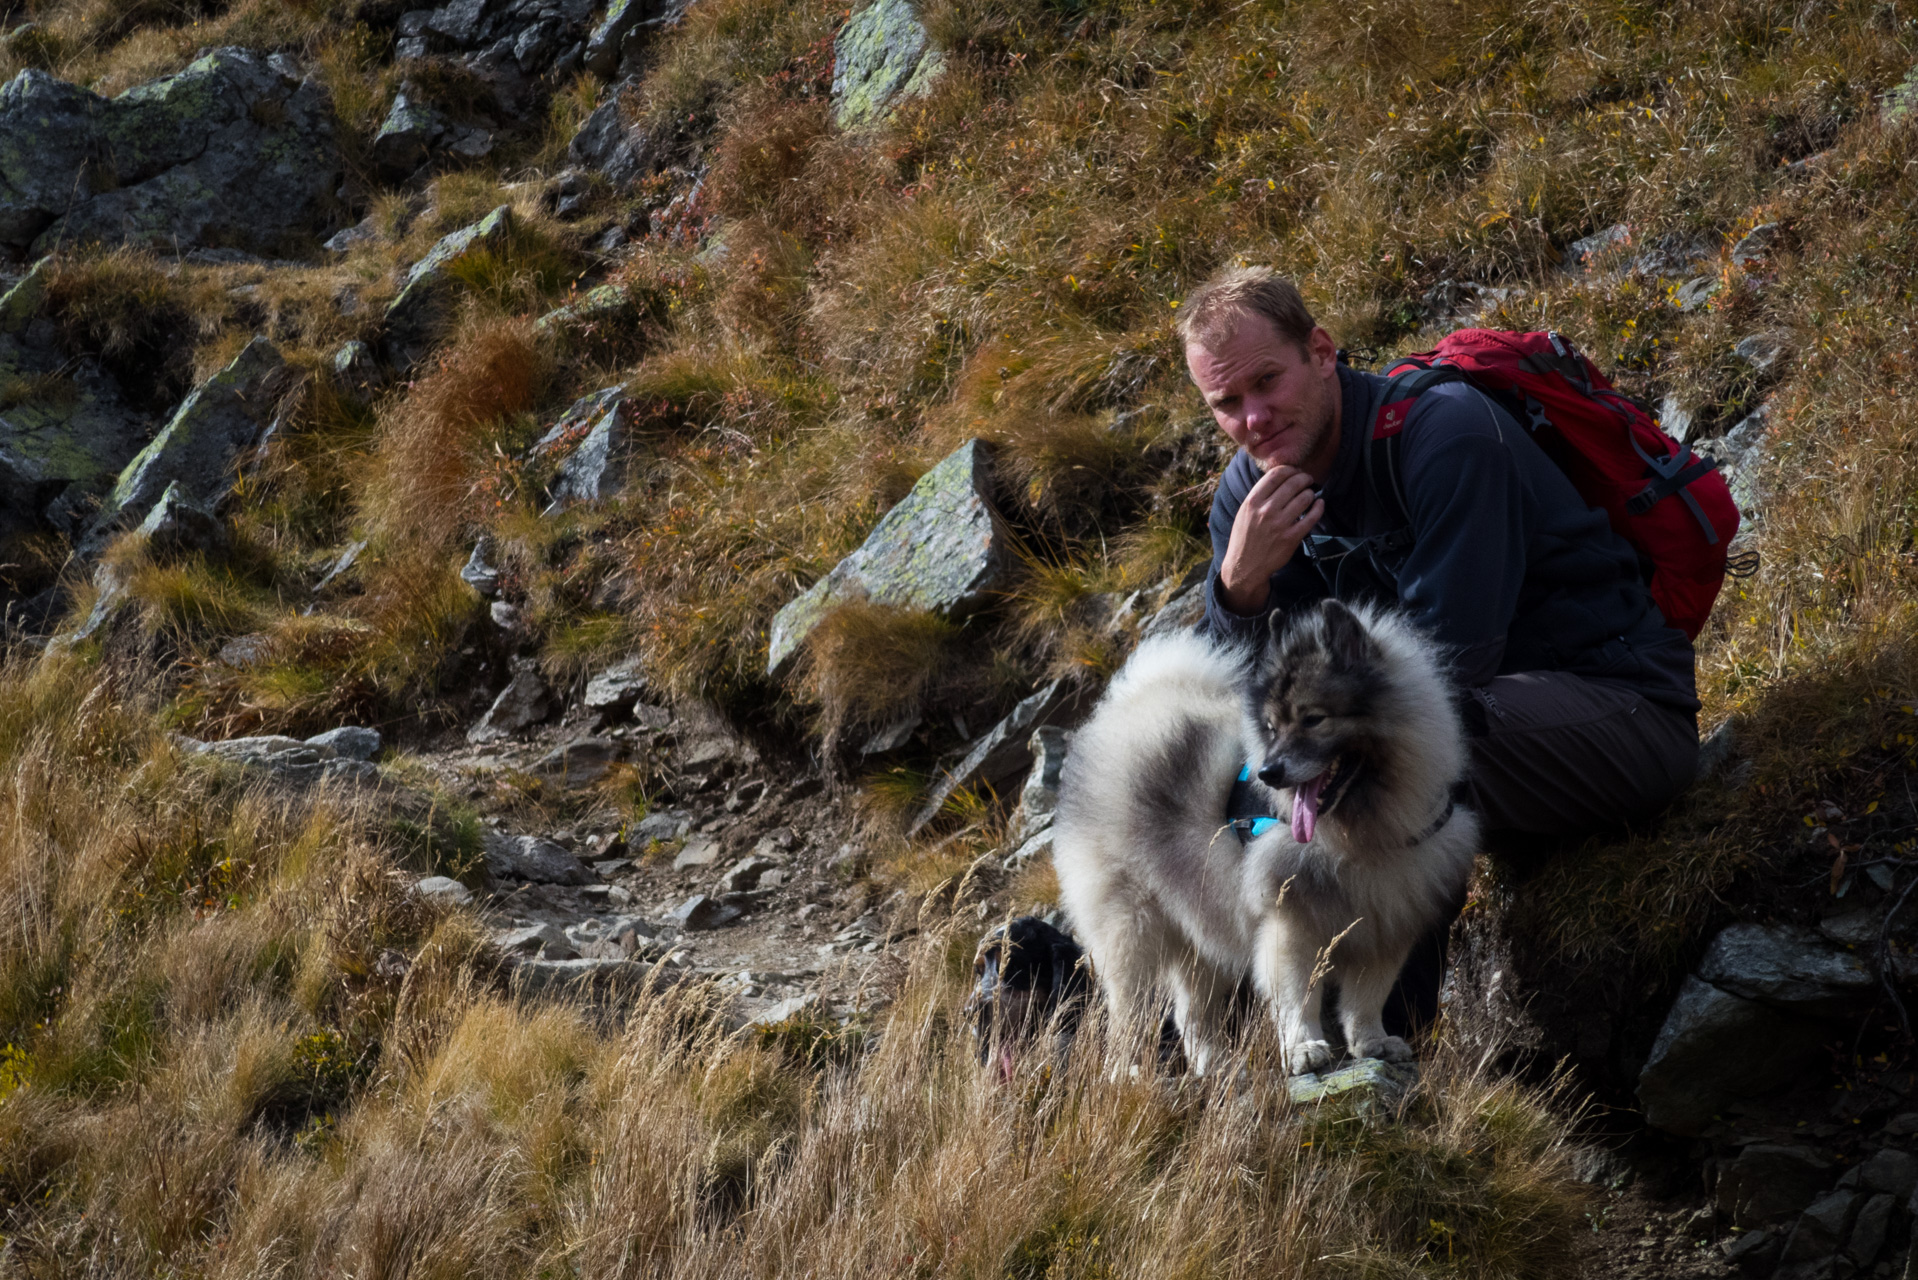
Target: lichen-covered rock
177, 528
938, 550
589, 439
410, 129
1899, 103
218, 421
608, 41
1788, 968
351, 742
68, 432
235, 149
417, 316
881, 56
603, 304
1366, 1081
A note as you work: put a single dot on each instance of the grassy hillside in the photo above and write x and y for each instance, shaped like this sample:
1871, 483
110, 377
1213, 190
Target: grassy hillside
235, 1045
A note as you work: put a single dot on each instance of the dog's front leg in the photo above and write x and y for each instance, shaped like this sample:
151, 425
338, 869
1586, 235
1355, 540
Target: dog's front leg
1282, 967
1362, 995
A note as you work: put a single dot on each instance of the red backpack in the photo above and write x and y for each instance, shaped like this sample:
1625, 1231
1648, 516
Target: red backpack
1672, 506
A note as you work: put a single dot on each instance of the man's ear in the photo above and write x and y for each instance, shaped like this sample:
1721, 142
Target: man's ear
1324, 351
1346, 638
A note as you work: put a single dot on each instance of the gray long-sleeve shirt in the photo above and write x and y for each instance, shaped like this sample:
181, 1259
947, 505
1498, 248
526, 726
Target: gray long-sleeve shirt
1508, 568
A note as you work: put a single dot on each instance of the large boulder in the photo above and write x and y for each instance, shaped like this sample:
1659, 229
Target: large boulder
939, 550
1752, 1018
219, 421
417, 317
880, 57
67, 432
237, 149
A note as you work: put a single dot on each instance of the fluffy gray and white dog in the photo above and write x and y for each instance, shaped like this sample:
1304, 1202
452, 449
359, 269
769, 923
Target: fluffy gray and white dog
1343, 725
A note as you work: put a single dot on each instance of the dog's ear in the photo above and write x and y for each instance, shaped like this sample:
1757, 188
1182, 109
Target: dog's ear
1346, 639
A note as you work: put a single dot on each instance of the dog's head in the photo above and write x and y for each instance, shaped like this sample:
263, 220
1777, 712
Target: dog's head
1315, 701
1022, 973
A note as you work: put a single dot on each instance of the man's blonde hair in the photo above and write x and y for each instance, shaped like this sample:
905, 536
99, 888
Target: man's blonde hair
1211, 313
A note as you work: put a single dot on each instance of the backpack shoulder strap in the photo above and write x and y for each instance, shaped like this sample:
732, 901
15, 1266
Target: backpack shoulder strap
1384, 473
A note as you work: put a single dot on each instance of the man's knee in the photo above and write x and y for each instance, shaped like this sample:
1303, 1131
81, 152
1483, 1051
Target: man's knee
1557, 755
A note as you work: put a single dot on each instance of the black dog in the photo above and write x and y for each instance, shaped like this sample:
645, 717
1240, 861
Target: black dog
1024, 972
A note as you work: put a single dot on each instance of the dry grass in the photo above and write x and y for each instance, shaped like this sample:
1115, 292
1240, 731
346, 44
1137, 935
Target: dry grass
238, 1046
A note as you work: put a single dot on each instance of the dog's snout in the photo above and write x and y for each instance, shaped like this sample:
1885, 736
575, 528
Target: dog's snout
1272, 773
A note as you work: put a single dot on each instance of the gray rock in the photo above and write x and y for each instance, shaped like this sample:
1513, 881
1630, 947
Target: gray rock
357, 370
603, 47
1675, 420
67, 433
1752, 1252
1040, 796
505, 615
588, 440
198, 449
1715, 1047
459, 21
479, 571
444, 889
699, 851
1600, 246
1788, 968
1696, 293
522, 704
881, 57
408, 133
1718, 748
177, 528
537, 939
1182, 612
531, 858
785, 1010
1823, 1228
1869, 1230
601, 305
744, 875
1038, 845
1761, 350
1890, 1171
580, 762
998, 758
615, 688
417, 316
234, 149
1369, 1080
699, 913
607, 144
1756, 245
893, 736
1767, 1181
350, 742
348, 558
287, 759
365, 231
245, 651
567, 979
660, 825
1860, 928
938, 550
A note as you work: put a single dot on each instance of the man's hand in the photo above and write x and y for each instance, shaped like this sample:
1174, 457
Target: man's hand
1274, 519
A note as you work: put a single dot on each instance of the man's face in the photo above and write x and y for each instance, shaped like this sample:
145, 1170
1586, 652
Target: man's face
1278, 401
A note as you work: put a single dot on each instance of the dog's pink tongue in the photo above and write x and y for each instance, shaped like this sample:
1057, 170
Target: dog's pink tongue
1305, 809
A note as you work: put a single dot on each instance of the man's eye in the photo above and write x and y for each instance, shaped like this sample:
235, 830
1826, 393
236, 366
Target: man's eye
1311, 722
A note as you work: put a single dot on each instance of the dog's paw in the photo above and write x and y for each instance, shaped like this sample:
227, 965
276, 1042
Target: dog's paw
1386, 1049
1308, 1056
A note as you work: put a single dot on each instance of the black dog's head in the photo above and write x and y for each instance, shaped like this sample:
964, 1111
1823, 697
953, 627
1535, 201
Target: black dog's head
1022, 973
1315, 700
